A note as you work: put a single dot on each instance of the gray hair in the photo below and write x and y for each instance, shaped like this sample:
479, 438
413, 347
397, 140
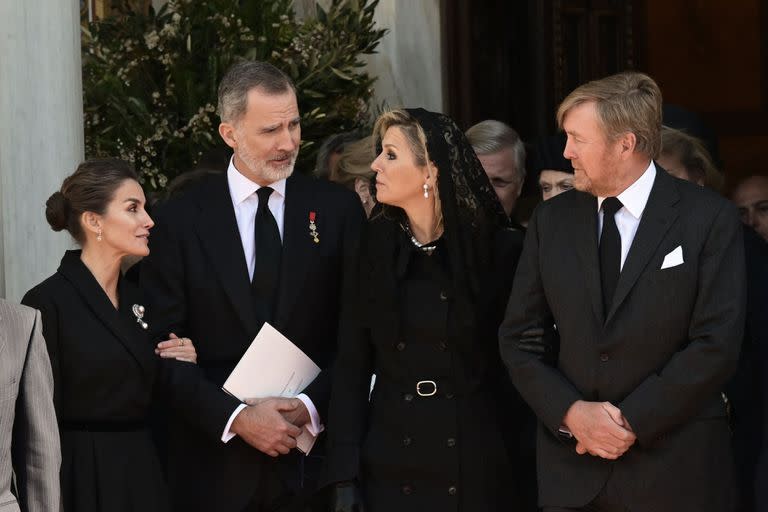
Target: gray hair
243, 76
490, 136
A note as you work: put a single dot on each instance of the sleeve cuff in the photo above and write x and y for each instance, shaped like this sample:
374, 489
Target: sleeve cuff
315, 426
227, 435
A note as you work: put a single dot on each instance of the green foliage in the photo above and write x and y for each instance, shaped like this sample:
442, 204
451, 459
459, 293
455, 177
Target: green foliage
150, 80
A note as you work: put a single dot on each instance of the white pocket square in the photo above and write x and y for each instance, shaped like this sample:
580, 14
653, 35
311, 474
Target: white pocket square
674, 258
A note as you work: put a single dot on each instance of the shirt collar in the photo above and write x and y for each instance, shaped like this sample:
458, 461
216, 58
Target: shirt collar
635, 197
241, 188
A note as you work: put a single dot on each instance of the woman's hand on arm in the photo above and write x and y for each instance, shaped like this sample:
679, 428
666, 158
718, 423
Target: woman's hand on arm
177, 348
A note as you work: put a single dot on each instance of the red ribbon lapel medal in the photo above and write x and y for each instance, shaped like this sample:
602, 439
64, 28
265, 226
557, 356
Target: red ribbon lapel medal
313, 228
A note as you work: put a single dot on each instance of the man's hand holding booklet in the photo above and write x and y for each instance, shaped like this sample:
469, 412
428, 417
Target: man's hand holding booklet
273, 367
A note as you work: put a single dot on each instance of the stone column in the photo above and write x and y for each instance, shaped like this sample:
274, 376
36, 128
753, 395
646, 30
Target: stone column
41, 133
409, 64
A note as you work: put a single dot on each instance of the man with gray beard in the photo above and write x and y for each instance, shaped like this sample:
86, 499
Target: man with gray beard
256, 244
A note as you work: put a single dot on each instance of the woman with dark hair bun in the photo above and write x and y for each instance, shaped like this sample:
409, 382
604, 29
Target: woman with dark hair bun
94, 323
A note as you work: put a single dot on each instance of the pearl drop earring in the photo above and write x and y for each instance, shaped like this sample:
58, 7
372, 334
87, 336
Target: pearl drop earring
426, 191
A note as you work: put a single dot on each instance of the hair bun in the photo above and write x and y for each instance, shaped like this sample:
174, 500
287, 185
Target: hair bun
57, 211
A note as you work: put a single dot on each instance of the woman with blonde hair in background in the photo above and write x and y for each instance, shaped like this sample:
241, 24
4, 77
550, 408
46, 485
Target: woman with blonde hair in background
353, 170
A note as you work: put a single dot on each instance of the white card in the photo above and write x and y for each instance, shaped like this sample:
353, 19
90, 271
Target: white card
272, 366
674, 258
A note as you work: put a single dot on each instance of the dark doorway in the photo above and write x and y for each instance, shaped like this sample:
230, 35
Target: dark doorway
515, 61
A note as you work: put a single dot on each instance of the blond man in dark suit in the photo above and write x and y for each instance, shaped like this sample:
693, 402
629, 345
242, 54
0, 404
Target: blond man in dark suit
643, 275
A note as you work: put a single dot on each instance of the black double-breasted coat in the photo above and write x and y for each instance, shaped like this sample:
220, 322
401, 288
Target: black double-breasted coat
441, 417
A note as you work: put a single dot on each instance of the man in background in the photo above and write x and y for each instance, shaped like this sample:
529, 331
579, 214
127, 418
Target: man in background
502, 154
751, 197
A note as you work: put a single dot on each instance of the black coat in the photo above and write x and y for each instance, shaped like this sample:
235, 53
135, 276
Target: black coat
662, 353
406, 323
748, 389
104, 371
197, 282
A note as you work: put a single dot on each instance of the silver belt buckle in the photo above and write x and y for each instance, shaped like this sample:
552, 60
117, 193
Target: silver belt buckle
430, 392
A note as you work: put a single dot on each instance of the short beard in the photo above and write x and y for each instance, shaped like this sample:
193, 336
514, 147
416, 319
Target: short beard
265, 172
583, 184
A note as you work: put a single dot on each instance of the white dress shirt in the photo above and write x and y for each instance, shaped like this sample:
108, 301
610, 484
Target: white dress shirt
634, 198
246, 202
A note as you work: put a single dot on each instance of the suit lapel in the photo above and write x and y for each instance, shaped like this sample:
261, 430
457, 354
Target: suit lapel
218, 233
585, 240
130, 335
658, 216
298, 248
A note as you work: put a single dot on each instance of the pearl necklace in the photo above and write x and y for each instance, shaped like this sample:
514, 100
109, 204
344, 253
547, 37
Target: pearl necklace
427, 248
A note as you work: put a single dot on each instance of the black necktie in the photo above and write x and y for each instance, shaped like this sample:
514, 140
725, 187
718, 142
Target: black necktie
268, 251
610, 251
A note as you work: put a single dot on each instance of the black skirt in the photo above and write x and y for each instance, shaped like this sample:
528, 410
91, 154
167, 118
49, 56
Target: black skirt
111, 472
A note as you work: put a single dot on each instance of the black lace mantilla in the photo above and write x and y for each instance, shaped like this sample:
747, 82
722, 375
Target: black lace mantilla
471, 210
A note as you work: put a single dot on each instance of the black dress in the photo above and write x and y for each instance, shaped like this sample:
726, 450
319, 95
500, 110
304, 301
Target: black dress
440, 425
104, 370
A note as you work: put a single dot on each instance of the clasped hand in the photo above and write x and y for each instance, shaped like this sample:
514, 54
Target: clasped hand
271, 425
600, 429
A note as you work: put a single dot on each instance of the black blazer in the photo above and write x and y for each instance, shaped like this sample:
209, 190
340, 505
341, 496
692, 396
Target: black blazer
197, 282
668, 344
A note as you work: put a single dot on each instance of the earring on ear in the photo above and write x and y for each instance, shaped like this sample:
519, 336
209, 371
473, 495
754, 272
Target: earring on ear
98, 236
426, 190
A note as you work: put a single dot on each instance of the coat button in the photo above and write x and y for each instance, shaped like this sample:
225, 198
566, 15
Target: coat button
604, 357
408, 397
451, 442
452, 490
406, 441
400, 346
443, 346
449, 396
406, 489
443, 295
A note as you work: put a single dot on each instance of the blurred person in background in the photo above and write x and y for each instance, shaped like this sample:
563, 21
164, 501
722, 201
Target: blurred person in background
329, 152
554, 171
502, 154
751, 197
353, 170
685, 156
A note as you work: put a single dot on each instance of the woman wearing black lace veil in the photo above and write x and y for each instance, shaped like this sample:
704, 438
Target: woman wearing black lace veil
439, 431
